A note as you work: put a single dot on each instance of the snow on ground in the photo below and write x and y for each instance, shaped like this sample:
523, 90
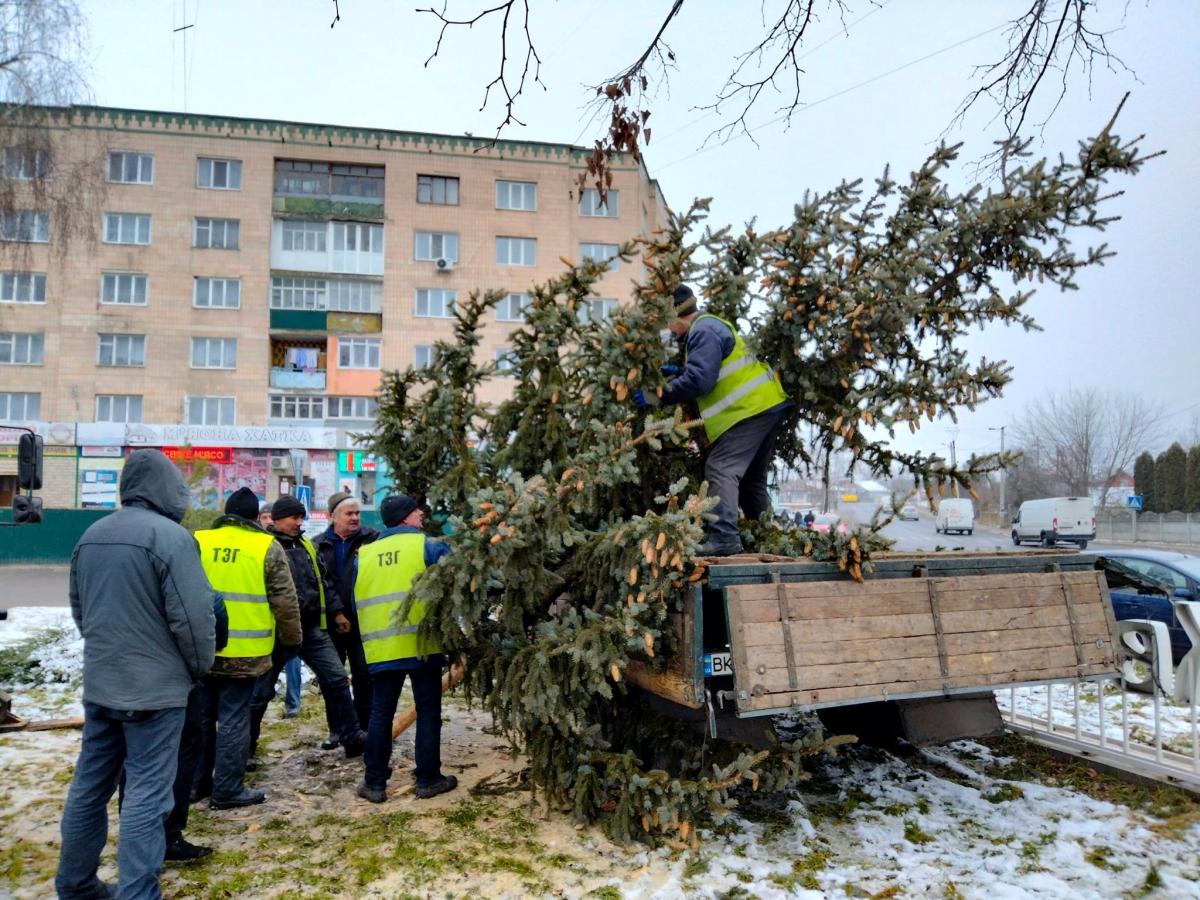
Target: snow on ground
995, 819
51, 690
1175, 719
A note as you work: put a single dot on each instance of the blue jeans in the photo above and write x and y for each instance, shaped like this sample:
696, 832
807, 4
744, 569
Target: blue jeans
146, 744
226, 702
291, 699
427, 693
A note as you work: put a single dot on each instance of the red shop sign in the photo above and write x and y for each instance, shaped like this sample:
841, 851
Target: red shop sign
194, 454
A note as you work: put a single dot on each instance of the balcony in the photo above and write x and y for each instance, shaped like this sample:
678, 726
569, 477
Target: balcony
294, 379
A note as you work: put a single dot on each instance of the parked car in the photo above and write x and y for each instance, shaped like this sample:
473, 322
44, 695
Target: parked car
1055, 519
955, 514
909, 512
1178, 572
824, 521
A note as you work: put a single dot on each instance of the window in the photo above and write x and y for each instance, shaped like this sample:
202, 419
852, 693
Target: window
25, 225
219, 174
208, 410
25, 163
590, 205
308, 236
351, 407
123, 289
131, 168
423, 356
22, 287
355, 296
297, 293
214, 353
217, 234
435, 303
359, 237
16, 407
516, 195
20, 348
597, 310
512, 308
505, 361
437, 245
513, 251
315, 179
121, 350
218, 293
126, 228
1159, 573
437, 189
601, 253
297, 406
358, 353
118, 408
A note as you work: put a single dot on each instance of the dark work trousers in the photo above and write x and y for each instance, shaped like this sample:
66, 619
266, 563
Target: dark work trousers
225, 704
427, 693
146, 744
318, 654
349, 647
737, 468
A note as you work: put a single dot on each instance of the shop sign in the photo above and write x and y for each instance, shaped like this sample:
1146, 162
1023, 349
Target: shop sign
188, 453
356, 461
101, 451
47, 451
61, 433
249, 436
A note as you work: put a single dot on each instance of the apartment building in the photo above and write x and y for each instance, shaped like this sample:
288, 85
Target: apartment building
251, 279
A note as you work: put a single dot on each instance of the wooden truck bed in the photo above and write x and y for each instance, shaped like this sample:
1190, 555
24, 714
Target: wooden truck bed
802, 636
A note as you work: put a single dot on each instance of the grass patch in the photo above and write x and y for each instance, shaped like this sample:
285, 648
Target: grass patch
1003, 793
695, 866
914, 835
1100, 858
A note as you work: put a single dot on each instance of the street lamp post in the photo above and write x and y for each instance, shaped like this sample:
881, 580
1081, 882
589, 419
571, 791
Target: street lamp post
1003, 479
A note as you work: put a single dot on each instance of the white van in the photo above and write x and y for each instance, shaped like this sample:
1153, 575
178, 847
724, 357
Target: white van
1055, 519
955, 514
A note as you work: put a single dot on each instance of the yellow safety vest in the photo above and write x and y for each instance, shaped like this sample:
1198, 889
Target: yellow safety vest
234, 559
386, 570
745, 387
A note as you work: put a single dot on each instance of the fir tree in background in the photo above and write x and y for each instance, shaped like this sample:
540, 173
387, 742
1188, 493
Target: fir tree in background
1193, 480
1171, 479
1144, 480
576, 518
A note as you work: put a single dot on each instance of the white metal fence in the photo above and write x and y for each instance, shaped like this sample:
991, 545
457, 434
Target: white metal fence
1162, 528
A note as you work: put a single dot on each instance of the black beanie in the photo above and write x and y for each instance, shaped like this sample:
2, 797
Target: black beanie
685, 300
395, 509
243, 502
286, 506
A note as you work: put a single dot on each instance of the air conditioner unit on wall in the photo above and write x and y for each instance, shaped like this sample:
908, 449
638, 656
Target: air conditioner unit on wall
279, 462
442, 264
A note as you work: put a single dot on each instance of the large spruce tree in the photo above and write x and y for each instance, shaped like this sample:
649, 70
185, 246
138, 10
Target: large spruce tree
1144, 480
576, 516
1171, 479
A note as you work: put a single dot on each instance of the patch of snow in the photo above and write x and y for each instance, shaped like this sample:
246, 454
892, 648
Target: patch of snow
55, 691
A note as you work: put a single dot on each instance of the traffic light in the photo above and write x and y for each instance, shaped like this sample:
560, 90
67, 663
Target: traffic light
29, 462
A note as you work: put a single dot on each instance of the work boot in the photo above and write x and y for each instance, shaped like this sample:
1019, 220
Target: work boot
331, 743
375, 795
251, 765
723, 548
355, 748
182, 850
246, 798
441, 786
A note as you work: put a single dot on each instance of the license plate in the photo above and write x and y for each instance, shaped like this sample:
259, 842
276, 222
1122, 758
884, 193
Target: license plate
717, 664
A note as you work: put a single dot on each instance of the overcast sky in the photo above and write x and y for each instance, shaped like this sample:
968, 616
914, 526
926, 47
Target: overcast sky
882, 90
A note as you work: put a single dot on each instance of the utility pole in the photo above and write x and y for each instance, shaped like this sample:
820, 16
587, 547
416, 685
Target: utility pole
1003, 480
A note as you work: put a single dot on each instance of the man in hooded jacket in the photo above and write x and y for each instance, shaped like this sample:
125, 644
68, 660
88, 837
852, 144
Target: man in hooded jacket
141, 601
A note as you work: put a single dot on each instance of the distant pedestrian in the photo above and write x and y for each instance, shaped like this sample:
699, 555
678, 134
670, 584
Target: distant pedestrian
337, 548
251, 571
395, 649
140, 599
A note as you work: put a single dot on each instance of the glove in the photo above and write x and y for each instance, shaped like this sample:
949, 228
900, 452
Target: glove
643, 400
670, 370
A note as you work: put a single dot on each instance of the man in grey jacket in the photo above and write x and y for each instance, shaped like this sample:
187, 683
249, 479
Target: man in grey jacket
145, 609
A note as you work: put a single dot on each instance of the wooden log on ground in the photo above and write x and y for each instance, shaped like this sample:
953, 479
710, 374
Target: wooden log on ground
405, 718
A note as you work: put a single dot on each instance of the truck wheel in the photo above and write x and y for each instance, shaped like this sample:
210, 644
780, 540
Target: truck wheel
1016, 539
1047, 540
1083, 545
970, 531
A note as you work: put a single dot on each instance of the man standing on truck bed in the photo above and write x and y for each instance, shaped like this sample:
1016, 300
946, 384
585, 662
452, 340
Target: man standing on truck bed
743, 406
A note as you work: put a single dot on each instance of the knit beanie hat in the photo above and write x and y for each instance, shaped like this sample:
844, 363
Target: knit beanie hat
685, 301
395, 509
286, 506
244, 503
335, 499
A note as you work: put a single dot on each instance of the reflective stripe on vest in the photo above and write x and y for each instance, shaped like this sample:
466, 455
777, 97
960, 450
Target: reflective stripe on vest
312, 554
745, 387
234, 560
386, 570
